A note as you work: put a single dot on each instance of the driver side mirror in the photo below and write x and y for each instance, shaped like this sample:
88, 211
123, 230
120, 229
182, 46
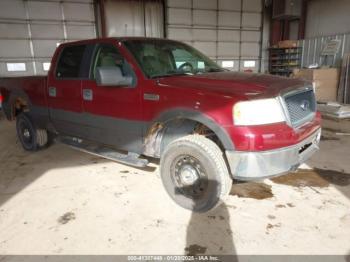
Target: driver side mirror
112, 76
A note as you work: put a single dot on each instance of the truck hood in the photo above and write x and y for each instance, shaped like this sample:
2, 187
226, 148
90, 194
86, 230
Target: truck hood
247, 85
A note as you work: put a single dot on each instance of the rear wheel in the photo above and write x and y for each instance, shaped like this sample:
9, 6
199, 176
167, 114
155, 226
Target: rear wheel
30, 137
194, 173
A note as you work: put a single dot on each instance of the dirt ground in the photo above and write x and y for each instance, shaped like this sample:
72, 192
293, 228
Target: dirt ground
61, 201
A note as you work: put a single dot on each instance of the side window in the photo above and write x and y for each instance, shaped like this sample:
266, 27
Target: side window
69, 62
108, 56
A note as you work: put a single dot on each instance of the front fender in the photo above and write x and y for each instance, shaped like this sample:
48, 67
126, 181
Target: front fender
185, 114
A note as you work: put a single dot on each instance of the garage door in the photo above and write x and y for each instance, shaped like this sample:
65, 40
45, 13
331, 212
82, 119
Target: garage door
228, 31
30, 30
134, 18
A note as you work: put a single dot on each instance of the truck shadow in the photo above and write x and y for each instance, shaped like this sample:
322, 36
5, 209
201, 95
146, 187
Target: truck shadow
209, 233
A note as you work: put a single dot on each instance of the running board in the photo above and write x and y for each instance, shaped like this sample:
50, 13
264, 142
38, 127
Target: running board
131, 159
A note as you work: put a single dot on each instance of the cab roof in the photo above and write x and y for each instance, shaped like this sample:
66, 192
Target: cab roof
121, 39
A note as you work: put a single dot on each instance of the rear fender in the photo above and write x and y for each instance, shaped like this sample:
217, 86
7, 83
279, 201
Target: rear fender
17, 98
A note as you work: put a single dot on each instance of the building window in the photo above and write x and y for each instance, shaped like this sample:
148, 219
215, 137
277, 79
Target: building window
227, 64
249, 63
46, 66
16, 67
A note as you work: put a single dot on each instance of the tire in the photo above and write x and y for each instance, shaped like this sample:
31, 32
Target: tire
31, 138
194, 173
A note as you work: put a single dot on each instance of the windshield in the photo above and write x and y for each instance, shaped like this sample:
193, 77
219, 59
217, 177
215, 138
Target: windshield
159, 58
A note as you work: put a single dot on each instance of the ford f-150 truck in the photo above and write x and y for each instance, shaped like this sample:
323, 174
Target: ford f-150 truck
134, 99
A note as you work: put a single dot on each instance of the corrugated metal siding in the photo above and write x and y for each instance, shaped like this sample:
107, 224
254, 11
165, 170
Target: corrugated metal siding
31, 29
225, 30
313, 47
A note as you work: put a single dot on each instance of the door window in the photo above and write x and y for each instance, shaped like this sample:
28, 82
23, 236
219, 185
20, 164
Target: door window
70, 60
109, 56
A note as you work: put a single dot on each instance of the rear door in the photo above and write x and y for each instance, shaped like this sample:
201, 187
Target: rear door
112, 113
64, 90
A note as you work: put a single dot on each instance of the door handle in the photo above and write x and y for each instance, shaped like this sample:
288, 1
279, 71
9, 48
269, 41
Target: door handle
151, 97
87, 94
52, 91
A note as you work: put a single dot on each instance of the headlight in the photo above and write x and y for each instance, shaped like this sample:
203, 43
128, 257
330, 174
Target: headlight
258, 112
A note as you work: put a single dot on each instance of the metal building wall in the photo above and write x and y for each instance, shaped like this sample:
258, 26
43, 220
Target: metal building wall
325, 17
326, 20
228, 31
313, 47
30, 31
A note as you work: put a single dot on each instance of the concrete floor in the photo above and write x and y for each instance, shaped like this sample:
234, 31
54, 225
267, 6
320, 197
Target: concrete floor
61, 201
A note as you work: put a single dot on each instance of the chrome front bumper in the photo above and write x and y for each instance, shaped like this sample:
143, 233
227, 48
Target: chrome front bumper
259, 165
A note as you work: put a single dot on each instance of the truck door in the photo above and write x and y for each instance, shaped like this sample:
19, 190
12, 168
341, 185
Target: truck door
64, 90
112, 113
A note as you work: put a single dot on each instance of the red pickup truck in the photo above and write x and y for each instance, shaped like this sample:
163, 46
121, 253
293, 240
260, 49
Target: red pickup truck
127, 98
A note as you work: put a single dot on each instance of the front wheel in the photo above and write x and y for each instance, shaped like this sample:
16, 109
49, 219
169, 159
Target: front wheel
30, 137
194, 173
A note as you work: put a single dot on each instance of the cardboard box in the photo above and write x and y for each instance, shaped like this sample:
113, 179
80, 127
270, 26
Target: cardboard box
325, 82
287, 44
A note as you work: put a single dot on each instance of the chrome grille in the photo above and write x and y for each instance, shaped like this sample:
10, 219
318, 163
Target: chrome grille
301, 106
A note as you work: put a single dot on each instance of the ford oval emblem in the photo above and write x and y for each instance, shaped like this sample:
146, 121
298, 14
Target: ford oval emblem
305, 105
